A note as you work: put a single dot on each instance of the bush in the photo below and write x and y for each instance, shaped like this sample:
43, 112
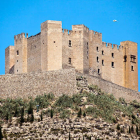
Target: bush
64, 114
64, 101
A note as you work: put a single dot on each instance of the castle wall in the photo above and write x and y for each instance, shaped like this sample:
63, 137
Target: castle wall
31, 84
111, 88
9, 60
34, 53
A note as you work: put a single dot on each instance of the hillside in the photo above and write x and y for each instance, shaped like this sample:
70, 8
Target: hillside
89, 114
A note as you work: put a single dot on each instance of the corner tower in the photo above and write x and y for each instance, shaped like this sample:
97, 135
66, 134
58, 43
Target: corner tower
20, 53
51, 45
130, 68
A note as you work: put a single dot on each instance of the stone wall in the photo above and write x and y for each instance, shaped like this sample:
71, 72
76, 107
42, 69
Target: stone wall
116, 90
32, 84
34, 53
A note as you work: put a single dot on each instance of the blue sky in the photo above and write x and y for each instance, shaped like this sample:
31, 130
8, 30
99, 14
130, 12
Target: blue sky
18, 16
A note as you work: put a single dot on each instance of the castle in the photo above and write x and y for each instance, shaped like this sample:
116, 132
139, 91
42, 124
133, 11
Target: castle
55, 48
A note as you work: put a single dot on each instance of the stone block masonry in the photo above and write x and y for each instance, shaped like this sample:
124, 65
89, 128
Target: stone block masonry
31, 84
111, 88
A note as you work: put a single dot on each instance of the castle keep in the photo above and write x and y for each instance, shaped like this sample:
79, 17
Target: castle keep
55, 48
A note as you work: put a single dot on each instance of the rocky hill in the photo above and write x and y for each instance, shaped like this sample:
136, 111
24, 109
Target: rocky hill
89, 114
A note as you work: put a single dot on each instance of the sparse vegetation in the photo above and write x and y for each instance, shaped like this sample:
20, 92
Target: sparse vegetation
94, 104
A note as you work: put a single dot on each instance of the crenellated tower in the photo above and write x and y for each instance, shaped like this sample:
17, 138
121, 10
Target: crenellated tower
20, 53
55, 48
130, 64
51, 45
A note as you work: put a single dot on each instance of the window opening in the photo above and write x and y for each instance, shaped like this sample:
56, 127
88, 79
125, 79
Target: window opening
98, 71
112, 64
17, 60
102, 52
69, 60
17, 70
125, 58
17, 52
97, 49
112, 55
69, 43
54, 41
133, 58
102, 62
97, 59
132, 68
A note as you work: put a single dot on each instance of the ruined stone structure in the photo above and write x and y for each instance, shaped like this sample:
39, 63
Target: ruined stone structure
55, 48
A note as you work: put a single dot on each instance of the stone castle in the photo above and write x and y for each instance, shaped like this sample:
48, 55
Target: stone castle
55, 48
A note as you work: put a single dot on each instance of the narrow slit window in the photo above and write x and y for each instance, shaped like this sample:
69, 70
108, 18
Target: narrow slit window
17, 52
112, 64
97, 59
102, 62
132, 68
102, 52
112, 55
125, 58
87, 45
98, 71
69, 43
97, 49
54, 41
69, 60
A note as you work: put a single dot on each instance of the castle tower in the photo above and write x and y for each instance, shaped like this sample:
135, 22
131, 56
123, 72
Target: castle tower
130, 65
80, 45
51, 45
9, 60
20, 53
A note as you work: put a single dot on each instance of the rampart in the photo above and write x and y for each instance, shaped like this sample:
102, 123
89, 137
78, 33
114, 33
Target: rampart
111, 88
31, 84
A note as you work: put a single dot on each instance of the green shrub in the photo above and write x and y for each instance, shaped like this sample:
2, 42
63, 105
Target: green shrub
64, 101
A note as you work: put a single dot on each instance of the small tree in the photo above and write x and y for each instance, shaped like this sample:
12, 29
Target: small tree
132, 129
22, 115
118, 127
7, 116
16, 111
1, 136
84, 114
137, 130
51, 113
129, 130
79, 113
30, 109
41, 116
69, 136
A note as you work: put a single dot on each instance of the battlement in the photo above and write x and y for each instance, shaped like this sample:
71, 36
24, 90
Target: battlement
95, 34
20, 36
112, 46
70, 32
81, 48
